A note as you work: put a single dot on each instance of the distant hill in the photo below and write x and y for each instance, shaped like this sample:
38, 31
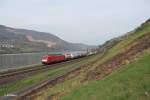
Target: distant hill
21, 40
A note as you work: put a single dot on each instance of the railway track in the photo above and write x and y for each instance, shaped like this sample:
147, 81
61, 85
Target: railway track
13, 76
16, 75
23, 94
20, 74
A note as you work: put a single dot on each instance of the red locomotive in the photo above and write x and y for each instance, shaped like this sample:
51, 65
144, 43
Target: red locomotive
52, 58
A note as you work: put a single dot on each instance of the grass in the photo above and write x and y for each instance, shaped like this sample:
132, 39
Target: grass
74, 84
126, 42
19, 69
15, 86
131, 82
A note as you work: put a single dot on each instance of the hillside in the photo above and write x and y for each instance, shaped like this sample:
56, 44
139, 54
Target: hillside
119, 72
132, 82
21, 40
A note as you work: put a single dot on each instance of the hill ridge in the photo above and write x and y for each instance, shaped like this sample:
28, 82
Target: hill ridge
24, 40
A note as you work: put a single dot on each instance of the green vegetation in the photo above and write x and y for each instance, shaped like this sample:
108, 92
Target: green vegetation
19, 69
126, 42
131, 82
53, 72
28, 41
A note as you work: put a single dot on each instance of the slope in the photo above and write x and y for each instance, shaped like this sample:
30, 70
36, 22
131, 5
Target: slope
113, 56
129, 82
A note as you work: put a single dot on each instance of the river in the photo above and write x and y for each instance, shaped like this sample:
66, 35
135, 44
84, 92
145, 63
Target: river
10, 61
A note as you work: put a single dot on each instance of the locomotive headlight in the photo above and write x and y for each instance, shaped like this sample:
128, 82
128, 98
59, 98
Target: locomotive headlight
44, 60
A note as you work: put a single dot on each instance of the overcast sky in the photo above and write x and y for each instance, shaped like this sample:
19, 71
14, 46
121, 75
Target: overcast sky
84, 21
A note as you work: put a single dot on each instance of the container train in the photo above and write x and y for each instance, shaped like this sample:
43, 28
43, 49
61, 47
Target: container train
54, 58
